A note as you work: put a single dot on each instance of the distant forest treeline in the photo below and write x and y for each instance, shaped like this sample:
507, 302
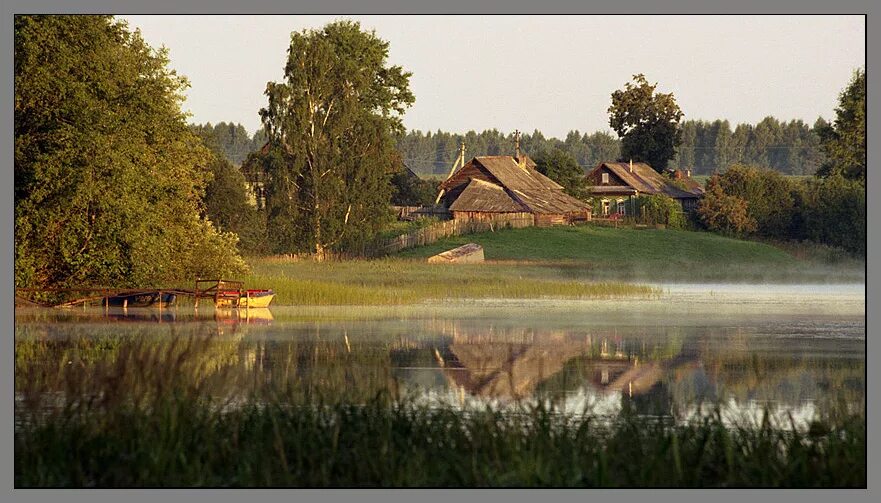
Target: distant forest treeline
792, 148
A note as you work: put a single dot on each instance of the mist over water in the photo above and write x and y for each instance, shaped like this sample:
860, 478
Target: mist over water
744, 348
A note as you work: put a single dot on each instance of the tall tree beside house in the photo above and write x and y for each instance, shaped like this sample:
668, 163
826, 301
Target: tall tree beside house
330, 125
108, 176
647, 123
844, 141
561, 167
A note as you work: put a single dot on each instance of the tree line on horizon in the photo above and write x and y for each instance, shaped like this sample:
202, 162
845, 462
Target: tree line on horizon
789, 147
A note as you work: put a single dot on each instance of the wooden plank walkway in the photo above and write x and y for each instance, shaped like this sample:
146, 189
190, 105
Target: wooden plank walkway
212, 288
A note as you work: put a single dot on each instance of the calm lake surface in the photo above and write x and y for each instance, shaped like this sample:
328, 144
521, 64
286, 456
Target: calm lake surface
789, 348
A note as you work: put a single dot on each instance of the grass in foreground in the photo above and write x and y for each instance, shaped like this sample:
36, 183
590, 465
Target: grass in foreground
184, 442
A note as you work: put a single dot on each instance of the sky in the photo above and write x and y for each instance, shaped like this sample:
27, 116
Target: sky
551, 73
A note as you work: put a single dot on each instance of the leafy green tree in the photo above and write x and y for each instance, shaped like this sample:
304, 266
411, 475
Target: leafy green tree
409, 190
660, 209
647, 123
561, 167
723, 213
227, 203
833, 212
844, 142
768, 195
108, 177
330, 125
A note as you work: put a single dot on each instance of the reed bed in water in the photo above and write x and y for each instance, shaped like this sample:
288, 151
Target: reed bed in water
395, 281
148, 416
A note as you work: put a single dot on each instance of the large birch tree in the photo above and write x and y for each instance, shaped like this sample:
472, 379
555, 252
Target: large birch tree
331, 152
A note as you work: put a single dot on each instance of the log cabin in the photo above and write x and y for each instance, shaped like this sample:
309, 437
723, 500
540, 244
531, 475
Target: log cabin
503, 188
618, 184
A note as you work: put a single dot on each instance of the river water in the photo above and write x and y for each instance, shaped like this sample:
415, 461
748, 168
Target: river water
789, 349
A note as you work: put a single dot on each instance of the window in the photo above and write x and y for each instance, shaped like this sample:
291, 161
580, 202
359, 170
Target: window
605, 207
620, 206
605, 178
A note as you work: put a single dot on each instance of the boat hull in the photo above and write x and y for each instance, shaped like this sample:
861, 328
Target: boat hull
253, 299
145, 299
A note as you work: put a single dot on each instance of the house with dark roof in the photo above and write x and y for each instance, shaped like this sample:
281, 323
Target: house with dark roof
618, 184
493, 187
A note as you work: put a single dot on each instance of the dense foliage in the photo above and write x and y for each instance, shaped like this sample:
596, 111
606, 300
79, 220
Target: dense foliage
410, 190
844, 141
561, 167
724, 213
753, 201
228, 201
647, 123
108, 177
659, 209
833, 212
768, 194
329, 125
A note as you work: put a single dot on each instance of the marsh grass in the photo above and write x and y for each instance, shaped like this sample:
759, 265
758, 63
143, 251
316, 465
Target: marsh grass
396, 281
148, 417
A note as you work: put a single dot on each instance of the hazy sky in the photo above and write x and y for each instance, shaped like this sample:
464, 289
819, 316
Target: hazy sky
551, 73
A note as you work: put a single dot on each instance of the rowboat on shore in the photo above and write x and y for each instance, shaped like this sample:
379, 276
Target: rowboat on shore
246, 298
141, 299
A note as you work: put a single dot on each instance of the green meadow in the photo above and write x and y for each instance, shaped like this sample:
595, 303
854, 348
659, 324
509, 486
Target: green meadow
580, 262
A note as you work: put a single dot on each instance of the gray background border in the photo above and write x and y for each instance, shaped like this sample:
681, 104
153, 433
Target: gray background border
342, 7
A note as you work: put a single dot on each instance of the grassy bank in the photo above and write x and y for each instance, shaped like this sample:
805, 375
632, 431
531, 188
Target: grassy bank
183, 442
666, 255
396, 281
582, 262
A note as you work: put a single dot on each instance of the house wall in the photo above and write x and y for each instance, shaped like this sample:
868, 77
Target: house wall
513, 219
597, 178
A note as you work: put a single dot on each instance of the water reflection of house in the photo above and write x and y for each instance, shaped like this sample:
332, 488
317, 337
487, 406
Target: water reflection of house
496, 369
504, 370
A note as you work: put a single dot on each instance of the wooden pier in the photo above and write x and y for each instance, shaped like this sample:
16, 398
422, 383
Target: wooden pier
214, 289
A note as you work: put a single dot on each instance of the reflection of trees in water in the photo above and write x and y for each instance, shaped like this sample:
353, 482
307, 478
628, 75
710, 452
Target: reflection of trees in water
653, 368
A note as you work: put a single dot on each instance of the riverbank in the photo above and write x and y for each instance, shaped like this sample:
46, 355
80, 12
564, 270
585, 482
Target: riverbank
581, 262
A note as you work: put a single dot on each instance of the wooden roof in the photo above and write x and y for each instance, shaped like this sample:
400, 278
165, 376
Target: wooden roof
525, 187
487, 197
648, 181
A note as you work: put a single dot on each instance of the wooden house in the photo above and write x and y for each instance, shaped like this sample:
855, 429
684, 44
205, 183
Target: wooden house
618, 184
503, 187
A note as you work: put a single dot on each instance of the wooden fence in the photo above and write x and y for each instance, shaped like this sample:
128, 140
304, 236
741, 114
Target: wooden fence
455, 227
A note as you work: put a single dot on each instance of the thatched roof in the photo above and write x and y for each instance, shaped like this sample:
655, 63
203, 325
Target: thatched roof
487, 197
647, 181
512, 186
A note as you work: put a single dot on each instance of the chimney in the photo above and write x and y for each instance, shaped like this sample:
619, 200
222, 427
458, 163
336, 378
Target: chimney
521, 161
631, 165
677, 174
688, 173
